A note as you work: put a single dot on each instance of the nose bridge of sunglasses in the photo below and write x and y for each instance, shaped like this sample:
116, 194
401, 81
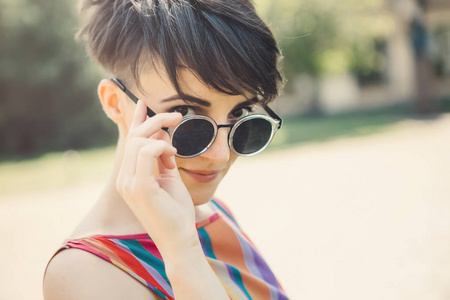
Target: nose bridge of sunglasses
225, 133
224, 126
228, 133
248, 136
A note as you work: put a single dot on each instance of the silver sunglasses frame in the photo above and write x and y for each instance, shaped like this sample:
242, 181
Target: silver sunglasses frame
274, 123
274, 119
275, 126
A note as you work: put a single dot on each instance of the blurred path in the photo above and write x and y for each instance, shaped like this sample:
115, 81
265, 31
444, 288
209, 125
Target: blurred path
356, 218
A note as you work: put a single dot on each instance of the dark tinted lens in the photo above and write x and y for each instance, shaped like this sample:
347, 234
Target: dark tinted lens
192, 137
252, 135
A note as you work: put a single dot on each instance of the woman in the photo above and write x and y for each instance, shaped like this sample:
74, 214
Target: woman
188, 86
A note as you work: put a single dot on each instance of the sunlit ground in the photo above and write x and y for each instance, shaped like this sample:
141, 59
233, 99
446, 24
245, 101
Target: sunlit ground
357, 216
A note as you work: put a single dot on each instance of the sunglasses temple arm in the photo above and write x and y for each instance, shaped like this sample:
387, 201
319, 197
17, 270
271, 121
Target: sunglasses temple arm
135, 99
273, 115
150, 113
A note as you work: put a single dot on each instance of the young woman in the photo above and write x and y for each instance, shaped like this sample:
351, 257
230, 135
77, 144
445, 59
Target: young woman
188, 86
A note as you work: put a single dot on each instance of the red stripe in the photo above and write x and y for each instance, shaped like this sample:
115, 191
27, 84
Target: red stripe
133, 264
150, 246
86, 247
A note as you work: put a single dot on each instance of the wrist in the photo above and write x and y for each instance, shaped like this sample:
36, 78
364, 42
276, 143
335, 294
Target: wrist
183, 257
192, 276
172, 245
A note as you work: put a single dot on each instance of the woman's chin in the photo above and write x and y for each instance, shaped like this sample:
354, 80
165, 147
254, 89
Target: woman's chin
201, 193
201, 197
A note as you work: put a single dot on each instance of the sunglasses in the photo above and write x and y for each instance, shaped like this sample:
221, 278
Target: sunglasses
248, 136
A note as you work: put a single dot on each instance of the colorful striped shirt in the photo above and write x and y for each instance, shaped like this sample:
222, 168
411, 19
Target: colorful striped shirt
230, 253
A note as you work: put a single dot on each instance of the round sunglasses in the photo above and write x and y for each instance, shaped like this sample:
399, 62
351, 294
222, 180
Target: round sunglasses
248, 136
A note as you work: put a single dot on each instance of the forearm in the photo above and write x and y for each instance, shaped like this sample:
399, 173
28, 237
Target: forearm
191, 276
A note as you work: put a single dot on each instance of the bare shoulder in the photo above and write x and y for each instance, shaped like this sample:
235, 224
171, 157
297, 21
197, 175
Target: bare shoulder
76, 274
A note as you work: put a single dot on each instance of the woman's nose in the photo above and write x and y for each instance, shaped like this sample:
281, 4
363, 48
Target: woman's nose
219, 151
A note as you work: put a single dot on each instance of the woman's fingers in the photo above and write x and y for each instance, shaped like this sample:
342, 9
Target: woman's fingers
142, 153
140, 114
166, 162
129, 161
146, 128
154, 124
165, 167
148, 155
139, 162
134, 148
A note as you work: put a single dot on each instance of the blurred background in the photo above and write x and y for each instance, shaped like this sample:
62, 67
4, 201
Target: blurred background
358, 176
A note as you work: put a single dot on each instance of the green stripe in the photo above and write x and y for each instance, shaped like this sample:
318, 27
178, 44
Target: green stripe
238, 279
140, 252
207, 245
226, 213
222, 209
159, 293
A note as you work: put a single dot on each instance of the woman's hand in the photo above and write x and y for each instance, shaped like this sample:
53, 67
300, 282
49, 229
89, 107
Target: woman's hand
163, 206
157, 197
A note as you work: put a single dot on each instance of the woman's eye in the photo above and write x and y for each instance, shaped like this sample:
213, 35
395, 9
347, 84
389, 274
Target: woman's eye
241, 112
183, 110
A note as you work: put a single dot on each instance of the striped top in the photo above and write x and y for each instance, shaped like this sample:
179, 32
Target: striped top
232, 256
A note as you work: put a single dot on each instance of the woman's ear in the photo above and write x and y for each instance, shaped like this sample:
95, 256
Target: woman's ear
111, 98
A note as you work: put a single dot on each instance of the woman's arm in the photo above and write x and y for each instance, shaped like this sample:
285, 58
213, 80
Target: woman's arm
163, 205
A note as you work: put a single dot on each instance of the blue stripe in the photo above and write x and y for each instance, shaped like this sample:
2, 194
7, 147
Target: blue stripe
222, 209
142, 254
206, 243
237, 278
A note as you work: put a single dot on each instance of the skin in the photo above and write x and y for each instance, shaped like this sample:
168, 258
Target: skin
151, 190
218, 157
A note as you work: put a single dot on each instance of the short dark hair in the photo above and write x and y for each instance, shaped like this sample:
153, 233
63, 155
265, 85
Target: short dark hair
224, 42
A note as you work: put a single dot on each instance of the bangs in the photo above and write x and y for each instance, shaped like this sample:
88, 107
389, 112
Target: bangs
225, 44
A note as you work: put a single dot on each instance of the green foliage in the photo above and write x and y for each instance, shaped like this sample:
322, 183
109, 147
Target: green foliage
312, 129
47, 84
321, 37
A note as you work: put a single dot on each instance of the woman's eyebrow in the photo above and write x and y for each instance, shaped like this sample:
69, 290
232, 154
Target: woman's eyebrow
187, 98
251, 101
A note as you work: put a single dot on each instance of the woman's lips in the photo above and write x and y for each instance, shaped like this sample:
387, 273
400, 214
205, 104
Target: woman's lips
201, 175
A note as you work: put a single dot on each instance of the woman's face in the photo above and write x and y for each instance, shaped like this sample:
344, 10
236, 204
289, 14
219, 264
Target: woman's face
202, 174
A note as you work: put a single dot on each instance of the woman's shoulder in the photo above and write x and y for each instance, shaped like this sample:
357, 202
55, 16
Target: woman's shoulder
76, 274
101, 220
